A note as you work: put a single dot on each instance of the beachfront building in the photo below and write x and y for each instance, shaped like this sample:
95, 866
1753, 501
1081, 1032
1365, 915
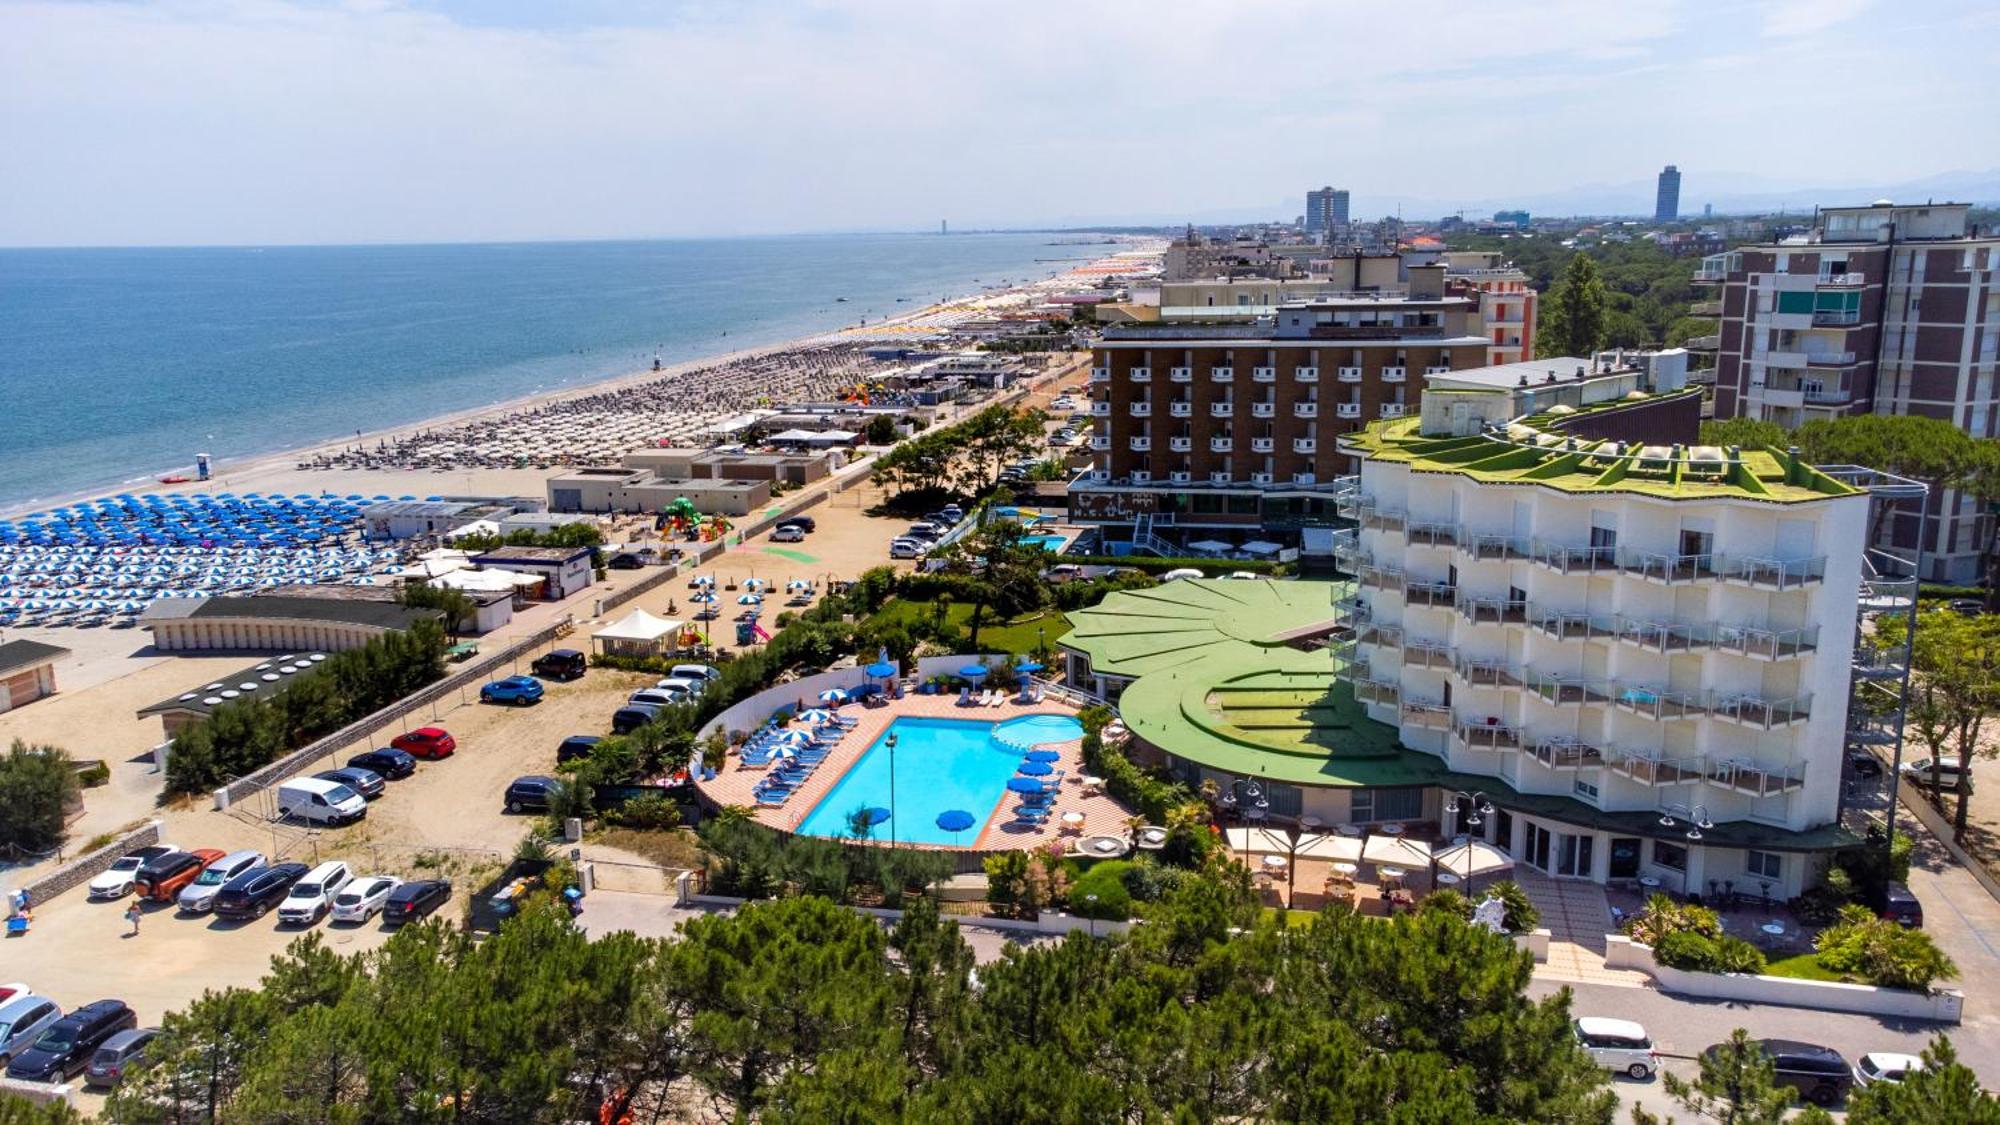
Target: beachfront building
27, 672
617, 489
1879, 309
1635, 649
288, 622
564, 570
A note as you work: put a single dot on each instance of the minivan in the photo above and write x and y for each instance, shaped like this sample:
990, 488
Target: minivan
22, 1021
320, 801
67, 1045
312, 896
1818, 1074
197, 897
1619, 1046
561, 664
120, 1053
632, 716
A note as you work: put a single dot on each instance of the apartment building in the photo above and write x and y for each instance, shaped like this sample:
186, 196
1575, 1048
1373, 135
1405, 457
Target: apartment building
1643, 646
1884, 309
1667, 195
1231, 425
1326, 210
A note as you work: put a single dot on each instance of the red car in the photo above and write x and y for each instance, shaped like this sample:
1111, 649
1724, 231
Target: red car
426, 742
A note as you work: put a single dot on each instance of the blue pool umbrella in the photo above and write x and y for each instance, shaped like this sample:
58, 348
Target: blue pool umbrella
749, 599
972, 671
1042, 756
1028, 667
833, 695
793, 736
877, 815
814, 715
1037, 769
954, 820
879, 670
1025, 785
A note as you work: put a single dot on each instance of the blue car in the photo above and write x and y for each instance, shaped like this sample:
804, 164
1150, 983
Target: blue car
518, 690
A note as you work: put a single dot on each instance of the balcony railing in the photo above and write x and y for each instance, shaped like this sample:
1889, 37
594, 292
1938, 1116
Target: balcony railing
1264, 374
1220, 444
1663, 636
1567, 753
1433, 534
1263, 445
1260, 478
1566, 690
1440, 594
1835, 318
1377, 691
1264, 410
1380, 519
1487, 673
1140, 444
1670, 569
1142, 374
1347, 410
1394, 374
1567, 626
1221, 410
1425, 713
1180, 444
1493, 611
1100, 409
1180, 374
1305, 445
1100, 442
1377, 577
1847, 280
1490, 734
1756, 779
1348, 374
1346, 547
1756, 711
1658, 703
1382, 636
1306, 374
1347, 498
1647, 767
1574, 560
1181, 476
1181, 409
1767, 644
1220, 476
1100, 374
1493, 546
1773, 574
1426, 654
1393, 409
1222, 374
1305, 410
1141, 410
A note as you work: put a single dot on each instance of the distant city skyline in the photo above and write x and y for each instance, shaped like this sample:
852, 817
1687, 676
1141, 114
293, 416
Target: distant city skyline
315, 121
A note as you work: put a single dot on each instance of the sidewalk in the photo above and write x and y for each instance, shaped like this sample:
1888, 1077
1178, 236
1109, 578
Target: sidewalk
1577, 917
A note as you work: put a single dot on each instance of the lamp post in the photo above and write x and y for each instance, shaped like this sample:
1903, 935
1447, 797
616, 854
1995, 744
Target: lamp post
1092, 900
1481, 808
890, 742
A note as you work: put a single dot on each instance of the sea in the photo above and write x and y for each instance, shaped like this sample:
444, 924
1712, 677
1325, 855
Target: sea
118, 365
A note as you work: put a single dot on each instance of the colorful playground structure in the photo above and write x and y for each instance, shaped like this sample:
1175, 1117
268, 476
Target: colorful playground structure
683, 520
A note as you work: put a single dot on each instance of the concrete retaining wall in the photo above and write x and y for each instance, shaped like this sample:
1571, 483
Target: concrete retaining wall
1051, 923
1536, 943
86, 867
1944, 1005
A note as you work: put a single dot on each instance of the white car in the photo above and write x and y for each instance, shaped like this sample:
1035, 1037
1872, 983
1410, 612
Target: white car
790, 533
660, 696
363, 898
1619, 1046
312, 897
706, 672
116, 881
688, 688
908, 549
1884, 1066
1179, 573
198, 897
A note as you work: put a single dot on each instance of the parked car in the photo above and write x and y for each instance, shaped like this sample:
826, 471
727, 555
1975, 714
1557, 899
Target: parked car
121, 1054
1864, 765
928, 532
1969, 607
1884, 1066
688, 686
426, 742
625, 560
68, 1044
1919, 771
366, 782
253, 893
1901, 907
198, 897
163, 878
908, 549
1818, 1074
952, 513
12, 989
318, 801
560, 664
388, 762
1620, 1046
632, 716
311, 898
415, 899
517, 690
530, 793
576, 746
116, 881
806, 522
364, 898
22, 1021
789, 533
658, 697
705, 672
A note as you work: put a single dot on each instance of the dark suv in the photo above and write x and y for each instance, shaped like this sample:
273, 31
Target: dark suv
67, 1045
253, 893
1901, 907
530, 793
576, 746
1818, 1074
562, 664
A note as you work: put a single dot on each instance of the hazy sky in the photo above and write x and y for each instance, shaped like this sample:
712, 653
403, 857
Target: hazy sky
199, 121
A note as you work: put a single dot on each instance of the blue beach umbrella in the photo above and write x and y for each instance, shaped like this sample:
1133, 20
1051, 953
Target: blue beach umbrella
1042, 756
973, 671
833, 695
1028, 666
1036, 769
954, 821
1025, 785
880, 670
814, 715
876, 815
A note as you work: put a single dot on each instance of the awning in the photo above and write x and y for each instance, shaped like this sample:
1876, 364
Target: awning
1212, 546
1262, 547
1396, 851
1475, 858
1330, 846
637, 625
1257, 841
490, 579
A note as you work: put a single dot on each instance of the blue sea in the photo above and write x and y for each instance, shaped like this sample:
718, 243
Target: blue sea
120, 364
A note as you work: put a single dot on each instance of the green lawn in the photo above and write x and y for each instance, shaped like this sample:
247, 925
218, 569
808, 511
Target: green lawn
1016, 636
1803, 966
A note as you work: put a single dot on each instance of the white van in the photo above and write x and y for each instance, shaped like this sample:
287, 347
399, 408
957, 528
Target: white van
312, 897
1619, 1046
320, 801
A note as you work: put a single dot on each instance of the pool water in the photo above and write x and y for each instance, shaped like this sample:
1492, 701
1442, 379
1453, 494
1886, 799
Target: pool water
1051, 543
940, 764
1030, 731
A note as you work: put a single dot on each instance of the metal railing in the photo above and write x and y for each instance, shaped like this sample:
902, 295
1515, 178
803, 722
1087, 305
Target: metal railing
1565, 626
1658, 703
1566, 689
1493, 547
1564, 753
1383, 636
1377, 577
1493, 611
1432, 534
1754, 778
1440, 594
1573, 560
1771, 644
1486, 734
1486, 673
1377, 691
1773, 574
1663, 636
1647, 767
1756, 711
1668, 568
1426, 713
1426, 654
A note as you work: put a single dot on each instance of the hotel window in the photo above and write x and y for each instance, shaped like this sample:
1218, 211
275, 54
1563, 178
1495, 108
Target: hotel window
1764, 865
1585, 789
1385, 804
1673, 857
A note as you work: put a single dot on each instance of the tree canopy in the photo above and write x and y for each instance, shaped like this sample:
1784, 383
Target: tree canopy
37, 786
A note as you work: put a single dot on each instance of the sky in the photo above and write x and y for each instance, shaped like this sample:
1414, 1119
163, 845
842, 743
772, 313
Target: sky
128, 122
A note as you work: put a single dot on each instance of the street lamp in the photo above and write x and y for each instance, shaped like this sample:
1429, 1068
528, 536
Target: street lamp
1092, 900
1697, 815
890, 742
1481, 809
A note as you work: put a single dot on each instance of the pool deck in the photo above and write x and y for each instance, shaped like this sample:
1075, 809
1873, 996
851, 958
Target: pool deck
1102, 815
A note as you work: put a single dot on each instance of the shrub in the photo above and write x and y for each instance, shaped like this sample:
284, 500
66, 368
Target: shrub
1522, 917
1882, 951
37, 785
90, 777
1006, 882
1106, 882
1445, 900
1701, 953
652, 812
1664, 916
1734, 955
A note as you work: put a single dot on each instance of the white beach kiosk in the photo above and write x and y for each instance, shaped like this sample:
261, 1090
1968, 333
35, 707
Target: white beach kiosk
638, 633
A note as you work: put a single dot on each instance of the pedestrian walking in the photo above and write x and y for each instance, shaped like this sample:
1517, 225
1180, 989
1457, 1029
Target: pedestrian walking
132, 915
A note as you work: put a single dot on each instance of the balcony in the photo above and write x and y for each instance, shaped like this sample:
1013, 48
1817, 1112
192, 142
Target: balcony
1433, 534
1756, 779
1100, 442
1756, 711
1574, 560
1709, 343
1347, 498
1263, 410
1347, 410
1493, 611
1440, 595
1260, 478
1305, 478
1658, 703
1767, 644
1647, 767
1180, 374
1395, 374
1566, 689
1222, 374
1305, 410
1879, 664
1100, 410
1424, 713
1762, 573
1705, 308
1671, 570
1180, 476
1663, 636
1181, 408
1142, 476
1306, 374
1140, 410
1489, 735
1221, 410
1374, 517
1564, 753
1221, 476
1221, 444
1142, 374
1849, 280
1098, 476
1487, 673
1836, 318
1180, 443
1377, 691
1393, 409
1381, 636
1346, 548
1140, 444
1493, 547
1348, 374
1439, 369
1263, 445
1566, 626
1305, 445
1100, 374
1263, 374
1426, 654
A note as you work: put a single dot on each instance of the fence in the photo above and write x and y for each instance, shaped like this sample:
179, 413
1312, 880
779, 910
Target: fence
476, 672
86, 867
1942, 1005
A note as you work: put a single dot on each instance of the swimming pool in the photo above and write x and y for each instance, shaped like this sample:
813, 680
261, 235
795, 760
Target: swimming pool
940, 764
1050, 543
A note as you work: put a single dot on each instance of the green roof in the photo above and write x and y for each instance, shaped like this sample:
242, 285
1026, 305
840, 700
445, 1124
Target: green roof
1536, 450
1217, 681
